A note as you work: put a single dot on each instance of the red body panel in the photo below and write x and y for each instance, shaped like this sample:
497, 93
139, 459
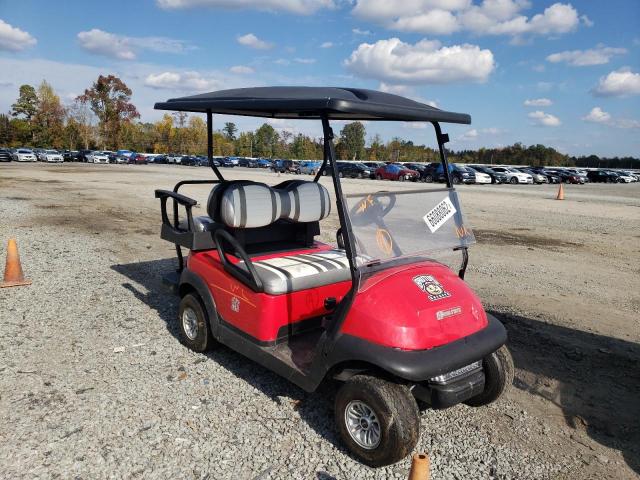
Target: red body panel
392, 310
259, 314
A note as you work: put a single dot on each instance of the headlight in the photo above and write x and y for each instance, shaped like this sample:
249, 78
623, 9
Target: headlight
465, 174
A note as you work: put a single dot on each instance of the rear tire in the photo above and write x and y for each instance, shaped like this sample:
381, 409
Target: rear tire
378, 177
193, 324
498, 377
428, 179
383, 407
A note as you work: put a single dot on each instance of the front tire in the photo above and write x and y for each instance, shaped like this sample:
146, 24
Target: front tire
498, 377
193, 324
378, 421
513, 180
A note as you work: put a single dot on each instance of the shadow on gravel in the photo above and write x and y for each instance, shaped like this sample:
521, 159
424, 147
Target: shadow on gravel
597, 378
315, 409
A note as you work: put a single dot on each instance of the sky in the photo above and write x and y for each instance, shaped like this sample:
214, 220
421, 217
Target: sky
566, 75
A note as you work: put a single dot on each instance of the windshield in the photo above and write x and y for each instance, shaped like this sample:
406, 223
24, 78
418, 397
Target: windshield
409, 223
50, 151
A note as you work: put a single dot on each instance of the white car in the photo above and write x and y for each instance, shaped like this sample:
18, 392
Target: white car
98, 157
52, 156
635, 176
24, 155
514, 176
625, 177
481, 177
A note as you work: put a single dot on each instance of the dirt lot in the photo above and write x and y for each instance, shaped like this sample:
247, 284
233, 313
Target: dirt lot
95, 385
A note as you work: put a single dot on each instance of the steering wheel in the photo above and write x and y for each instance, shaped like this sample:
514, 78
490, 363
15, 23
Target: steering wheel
371, 210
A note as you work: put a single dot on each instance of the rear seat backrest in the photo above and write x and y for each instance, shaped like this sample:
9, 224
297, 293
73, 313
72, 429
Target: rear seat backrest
309, 201
245, 204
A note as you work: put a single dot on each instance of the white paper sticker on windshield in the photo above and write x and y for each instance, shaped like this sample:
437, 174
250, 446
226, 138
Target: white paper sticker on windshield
439, 214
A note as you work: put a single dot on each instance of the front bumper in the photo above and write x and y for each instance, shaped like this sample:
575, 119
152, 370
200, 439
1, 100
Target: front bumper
421, 365
451, 393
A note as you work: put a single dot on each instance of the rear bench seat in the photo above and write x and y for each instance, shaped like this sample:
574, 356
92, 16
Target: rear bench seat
241, 207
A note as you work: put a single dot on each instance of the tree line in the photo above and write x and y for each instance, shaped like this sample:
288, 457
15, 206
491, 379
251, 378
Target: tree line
104, 117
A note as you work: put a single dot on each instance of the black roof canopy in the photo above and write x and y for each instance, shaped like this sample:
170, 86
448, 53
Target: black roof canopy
313, 103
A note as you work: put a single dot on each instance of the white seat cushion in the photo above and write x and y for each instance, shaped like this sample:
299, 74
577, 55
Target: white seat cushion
302, 271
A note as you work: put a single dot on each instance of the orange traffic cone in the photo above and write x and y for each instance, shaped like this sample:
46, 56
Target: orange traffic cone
420, 467
560, 193
13, 275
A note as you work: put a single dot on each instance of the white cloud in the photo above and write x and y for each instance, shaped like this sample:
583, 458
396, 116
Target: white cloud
299, 7
357, 31
122, 47
491, 17
282, 61
474, 134
544, 119
597, 115
538, 102
13, 39
619, 83
327, 45
250, 40
582, 58
586, 21
305, 61
187, 81
241, 70
426, 62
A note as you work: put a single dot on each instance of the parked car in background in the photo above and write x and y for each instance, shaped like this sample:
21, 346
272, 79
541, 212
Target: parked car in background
284, 166
514, 176
83, 155
538, 178
457, 173
569, 177
496, 177
247, 162
97, 157
39, 153
481, 177
580, 172
623, 177
5, 155
69, 155
309, 167
396, 171
161, 159
137, 159
374, 165
24, 155
52, 156
552, 177
635, 176
602, 176
264, 163
353, 170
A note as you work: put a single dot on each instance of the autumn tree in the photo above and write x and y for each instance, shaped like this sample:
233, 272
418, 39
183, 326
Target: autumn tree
110, 100
80, 119
48, 121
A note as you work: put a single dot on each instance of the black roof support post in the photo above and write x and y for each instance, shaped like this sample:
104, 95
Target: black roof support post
442, 139
342, 309
210, 146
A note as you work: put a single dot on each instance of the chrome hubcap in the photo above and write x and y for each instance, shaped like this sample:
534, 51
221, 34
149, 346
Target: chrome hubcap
362, 424
190, 323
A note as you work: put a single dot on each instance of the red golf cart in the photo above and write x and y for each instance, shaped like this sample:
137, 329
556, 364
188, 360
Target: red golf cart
376, 311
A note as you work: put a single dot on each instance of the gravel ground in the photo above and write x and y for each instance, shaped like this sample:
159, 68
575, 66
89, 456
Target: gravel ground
95, 384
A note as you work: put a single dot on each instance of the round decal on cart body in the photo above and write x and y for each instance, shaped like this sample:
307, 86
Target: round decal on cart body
432, 287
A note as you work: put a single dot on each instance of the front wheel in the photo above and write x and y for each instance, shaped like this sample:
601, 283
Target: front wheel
513, 181
193, 324
498, 377
378, 177
378, 421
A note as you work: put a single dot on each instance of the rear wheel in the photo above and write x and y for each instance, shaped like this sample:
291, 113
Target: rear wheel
378, 176
193, 323
498, 377
401, 178
340, 174
428, 178
455, 180
378, 420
